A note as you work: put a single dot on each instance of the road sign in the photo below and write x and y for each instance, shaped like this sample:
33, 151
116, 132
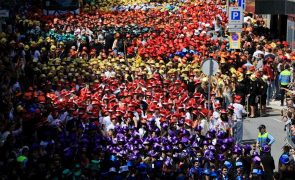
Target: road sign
242, 4
235, 40
4, 13
235, 15
235, 30
210, 67
232, 26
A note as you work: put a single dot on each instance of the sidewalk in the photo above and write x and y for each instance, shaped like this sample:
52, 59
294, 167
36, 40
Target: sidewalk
275, 105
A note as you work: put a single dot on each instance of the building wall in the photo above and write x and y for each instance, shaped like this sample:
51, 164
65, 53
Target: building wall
291, 31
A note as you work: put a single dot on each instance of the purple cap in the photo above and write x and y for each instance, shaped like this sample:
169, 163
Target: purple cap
220, 135
68, 152
198, 128
157, 147
192, 137
168, 148
211, 148
208, 136
220, 157
164, 139
120, 135
209, 155
165, 125
219, 142
195, 145
176, 148
225, 141
212, 131
156, 140
223, 147
247, 148
171, 133
205, 142
185, 132
135, 142
256, 159
157, 130
184, 140
266, 148
174, 140
231, 140
181, 122
153, 153
255, 153
168, 162
237, 150
118, 128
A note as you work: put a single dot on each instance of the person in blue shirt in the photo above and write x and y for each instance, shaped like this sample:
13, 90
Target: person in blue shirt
285, 78
196, 171
264, 138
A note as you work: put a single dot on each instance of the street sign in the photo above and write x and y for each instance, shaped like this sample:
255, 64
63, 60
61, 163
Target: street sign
4, 13
242, 4
210, 67
233, 26
235, 30
235, 15
235, 40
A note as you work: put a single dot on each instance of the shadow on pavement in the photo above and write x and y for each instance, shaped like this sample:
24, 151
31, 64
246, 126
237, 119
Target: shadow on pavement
249, 141
276, 114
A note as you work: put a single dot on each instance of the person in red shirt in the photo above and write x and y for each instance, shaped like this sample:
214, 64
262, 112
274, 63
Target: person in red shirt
269, 71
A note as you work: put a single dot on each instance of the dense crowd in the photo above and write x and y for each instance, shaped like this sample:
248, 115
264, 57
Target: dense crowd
119, 94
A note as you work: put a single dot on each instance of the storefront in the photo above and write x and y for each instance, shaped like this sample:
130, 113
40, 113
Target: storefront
282, 12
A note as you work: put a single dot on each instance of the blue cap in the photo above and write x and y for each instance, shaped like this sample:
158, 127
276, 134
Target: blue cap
239, 164
207, 172
227, 164
113, 158
284, 159
214, 174
257, 171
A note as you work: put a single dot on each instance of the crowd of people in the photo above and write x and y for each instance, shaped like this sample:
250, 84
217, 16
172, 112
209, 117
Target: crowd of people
118, 93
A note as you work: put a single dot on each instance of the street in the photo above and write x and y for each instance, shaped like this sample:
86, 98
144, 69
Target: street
274, 126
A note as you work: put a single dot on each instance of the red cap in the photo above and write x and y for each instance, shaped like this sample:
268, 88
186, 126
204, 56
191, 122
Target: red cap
238, 99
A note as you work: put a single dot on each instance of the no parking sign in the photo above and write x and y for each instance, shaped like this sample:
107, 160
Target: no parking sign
235, 41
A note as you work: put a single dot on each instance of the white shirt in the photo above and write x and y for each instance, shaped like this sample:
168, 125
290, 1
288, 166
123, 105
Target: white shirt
222, 126
106, 121
188, 115
205, 126
141, 132
109, 74
257, 52
110, 126
65, 117
213, 123
239, 111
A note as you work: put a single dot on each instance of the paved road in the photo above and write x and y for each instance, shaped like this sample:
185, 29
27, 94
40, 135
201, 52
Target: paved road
273, 125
